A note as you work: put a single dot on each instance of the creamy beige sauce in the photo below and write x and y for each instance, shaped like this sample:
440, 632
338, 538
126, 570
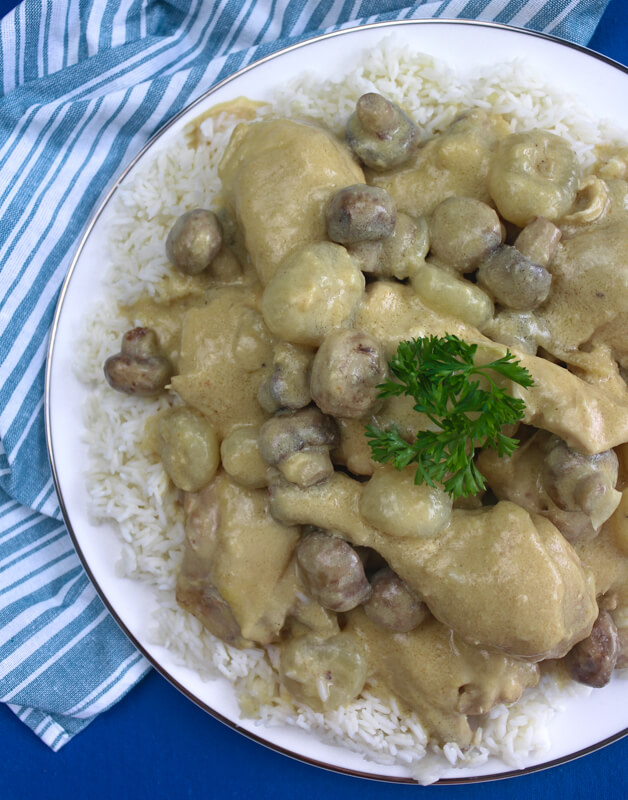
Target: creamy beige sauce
508, 585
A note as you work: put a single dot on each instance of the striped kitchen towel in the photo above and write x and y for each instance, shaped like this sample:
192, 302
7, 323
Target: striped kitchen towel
83, 86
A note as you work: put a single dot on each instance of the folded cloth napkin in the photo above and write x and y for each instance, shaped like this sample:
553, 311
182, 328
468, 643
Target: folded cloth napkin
83, 88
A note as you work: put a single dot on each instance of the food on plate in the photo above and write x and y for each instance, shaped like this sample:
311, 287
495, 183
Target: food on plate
139, 367
391, 422
194, 241
380, 132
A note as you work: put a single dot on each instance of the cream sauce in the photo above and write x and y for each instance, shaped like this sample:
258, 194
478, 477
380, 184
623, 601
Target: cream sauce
504, 586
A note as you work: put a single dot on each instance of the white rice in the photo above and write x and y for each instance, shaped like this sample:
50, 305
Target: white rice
129, 488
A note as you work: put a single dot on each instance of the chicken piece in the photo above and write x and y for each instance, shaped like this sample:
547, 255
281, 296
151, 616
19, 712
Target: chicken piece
589, 419
277, 177
224, 347
606, 559
589, 282
499, 577
238, 574
391, 312
441, 677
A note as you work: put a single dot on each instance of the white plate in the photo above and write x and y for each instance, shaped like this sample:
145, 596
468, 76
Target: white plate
585, 723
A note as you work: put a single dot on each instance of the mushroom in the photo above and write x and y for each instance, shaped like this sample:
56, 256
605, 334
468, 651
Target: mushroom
194, 241
360, 213
139, 368
298, 444
579, 482
347, 369
593, 660
380, 133
332, 571
513, 280
392, 605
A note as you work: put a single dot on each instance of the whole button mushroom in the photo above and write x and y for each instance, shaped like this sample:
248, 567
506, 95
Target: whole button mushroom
332, 571
298, 444
139, 368
579, 482
346, 371
194, 241
392, 605
513, 280
360, 213
593, 660
380, 133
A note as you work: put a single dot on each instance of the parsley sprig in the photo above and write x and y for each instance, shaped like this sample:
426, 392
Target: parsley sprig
438, 374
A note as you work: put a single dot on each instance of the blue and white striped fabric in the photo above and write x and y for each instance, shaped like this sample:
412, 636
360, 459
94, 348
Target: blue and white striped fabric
84, 85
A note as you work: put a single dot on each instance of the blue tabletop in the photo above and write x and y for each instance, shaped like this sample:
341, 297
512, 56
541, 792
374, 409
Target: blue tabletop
157, 743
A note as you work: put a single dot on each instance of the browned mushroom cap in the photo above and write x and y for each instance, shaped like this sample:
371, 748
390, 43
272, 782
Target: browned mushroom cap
194, 241
332, 571
513, 280
138, 368
380, 133
360, 213
579, 482
347, 369
593, 660
298, 444
392, 605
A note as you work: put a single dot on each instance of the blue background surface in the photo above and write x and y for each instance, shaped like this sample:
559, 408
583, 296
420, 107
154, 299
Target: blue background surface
156, 743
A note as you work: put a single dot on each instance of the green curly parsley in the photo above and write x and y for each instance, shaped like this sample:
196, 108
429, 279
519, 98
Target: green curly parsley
438, 374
